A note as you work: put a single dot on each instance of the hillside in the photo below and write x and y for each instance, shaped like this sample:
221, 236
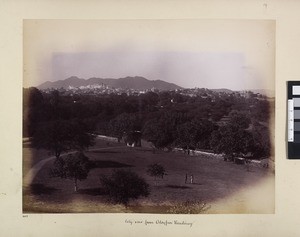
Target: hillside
137, 83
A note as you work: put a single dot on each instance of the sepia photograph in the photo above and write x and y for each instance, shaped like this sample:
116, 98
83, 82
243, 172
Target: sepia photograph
148, 116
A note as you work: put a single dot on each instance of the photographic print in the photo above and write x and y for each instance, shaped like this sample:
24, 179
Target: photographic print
148, 116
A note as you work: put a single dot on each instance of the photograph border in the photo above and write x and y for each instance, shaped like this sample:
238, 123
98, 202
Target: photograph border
286, 218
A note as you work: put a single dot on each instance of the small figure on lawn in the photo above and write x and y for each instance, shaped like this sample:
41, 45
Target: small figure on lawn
192, 179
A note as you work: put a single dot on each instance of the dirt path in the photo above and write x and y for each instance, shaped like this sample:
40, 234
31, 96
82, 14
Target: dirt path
36, 168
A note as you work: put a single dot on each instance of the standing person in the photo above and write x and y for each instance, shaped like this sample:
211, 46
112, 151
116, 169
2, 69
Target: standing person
186, 177
192, 178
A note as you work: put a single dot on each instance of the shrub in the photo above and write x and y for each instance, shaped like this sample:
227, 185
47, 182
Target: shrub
124, 185
156, 170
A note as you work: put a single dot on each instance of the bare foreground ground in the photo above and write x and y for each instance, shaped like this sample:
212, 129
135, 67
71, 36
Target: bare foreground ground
224, 186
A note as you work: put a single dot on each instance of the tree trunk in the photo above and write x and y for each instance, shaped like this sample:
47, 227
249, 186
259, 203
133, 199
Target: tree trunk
58, 161
75, 185
57, 153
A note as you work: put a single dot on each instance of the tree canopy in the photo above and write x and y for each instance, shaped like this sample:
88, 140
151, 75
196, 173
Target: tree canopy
156, 170
59, 136
124, 123
188, 118
74, 166
125, 185
233, 138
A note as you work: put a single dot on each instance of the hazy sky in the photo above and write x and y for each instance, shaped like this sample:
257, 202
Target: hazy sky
230, 54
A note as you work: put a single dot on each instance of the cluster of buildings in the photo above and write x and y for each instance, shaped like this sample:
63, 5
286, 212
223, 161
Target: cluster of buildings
102, 89
97, 89
206, 93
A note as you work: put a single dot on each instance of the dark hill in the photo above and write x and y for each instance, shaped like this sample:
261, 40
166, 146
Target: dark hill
138, 83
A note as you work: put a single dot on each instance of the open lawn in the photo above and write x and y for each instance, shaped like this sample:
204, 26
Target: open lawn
214, 181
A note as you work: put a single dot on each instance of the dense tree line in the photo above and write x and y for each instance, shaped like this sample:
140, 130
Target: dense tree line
226, 123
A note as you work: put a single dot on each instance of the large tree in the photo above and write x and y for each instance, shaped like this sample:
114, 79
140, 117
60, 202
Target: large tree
156, 132
33, 110
62, 135
261, 141
124, 123
234, 138
186, 136
194, 134
239, 119
161, 130
74, 166
231, 140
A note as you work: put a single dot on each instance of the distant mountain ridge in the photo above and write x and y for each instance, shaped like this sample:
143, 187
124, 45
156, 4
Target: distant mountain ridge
137, 83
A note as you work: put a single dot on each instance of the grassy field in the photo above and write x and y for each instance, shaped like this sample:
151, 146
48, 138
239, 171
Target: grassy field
32, 156
214, 180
